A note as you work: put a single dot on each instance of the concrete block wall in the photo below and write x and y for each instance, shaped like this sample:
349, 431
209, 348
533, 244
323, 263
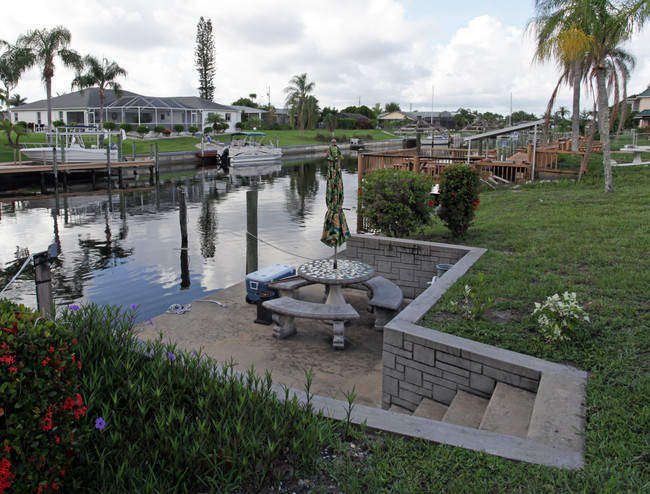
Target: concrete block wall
422, 363
408, 263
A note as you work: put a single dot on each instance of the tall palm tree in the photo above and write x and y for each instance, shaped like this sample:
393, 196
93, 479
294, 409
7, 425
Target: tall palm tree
103, 75
16, 100
591, 31
298, 99
46, 45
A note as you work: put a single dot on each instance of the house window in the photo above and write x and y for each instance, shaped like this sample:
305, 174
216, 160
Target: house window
60, 115
227, 117
162, 116
15, 117
38, 117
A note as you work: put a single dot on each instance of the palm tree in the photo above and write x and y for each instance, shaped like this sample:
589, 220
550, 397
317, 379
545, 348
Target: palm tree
16, 100
590, 31
298, 99
44, 46
13, 62
562, 112
216, 119
103, 75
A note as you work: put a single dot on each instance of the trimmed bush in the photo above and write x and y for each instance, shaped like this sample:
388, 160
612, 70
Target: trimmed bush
167, 132
178, 128
126, 127
42, 412
109, 125
459, 198
394, 202
142, 130
208, 130
159, 129
58, 123
193, 129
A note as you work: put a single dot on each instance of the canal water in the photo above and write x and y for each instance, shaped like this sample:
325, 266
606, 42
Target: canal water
124, 248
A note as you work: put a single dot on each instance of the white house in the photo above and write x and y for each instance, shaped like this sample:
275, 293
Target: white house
82, 107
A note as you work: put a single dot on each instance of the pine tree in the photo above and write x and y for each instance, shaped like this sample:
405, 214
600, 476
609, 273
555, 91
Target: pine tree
204, 60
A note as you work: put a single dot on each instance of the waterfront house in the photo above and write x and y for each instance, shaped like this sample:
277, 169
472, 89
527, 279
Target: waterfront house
82, 107
641, 104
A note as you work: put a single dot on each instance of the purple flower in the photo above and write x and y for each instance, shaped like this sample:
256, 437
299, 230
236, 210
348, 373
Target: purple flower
103, 319
134, 306
171, 356
150, 321
194, 354
100, 423
73, 308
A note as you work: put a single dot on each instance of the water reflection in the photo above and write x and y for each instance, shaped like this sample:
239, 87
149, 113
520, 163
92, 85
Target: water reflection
121, 246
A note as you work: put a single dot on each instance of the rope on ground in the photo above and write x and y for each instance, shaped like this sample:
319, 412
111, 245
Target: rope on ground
278, 248
179, 309
18, 273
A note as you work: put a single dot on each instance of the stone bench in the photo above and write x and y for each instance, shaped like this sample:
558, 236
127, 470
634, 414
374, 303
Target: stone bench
386, 299
286, 309
289, 288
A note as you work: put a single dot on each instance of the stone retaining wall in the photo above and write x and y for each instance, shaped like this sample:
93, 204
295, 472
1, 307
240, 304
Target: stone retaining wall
420, 362
411, 264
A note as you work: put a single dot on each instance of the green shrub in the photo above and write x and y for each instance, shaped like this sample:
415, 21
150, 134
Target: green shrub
175, 421
159, 129
58, 123
166, 132
208, 130
142, 130
560, 318
178, 128
459, 198
126, 127
109, 125
193, 129
394, 202
42, 412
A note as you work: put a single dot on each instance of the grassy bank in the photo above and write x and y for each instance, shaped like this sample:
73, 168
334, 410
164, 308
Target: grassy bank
545, 239
175, 143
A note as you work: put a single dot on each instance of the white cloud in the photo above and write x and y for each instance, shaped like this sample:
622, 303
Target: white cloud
475, 53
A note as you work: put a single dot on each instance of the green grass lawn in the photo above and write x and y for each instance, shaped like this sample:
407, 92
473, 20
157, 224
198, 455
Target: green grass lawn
174, 143
544, 239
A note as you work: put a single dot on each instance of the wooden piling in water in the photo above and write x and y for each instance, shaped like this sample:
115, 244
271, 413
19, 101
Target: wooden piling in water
251, 231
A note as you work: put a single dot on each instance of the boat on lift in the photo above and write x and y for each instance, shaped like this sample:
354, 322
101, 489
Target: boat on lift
74, 144
247, 148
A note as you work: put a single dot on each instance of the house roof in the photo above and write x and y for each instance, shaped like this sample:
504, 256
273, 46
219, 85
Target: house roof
248, 109
356, 116
89, 98
644, 94
505, 130
642, 114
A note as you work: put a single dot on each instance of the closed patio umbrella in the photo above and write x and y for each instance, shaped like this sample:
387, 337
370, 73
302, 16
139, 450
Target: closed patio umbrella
335, 228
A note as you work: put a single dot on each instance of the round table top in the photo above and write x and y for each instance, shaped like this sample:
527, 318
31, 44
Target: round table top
347, 272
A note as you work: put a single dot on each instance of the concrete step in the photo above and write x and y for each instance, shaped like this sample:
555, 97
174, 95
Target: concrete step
466, 409
558, 417
509, 411
431, 410
399, 409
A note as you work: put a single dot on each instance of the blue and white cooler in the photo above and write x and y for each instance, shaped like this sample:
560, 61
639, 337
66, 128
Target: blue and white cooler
258, 281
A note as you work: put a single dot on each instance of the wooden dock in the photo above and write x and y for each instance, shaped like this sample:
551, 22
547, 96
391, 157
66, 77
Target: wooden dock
64, 169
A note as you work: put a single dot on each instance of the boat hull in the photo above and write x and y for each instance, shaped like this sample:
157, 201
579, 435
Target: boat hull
46, 155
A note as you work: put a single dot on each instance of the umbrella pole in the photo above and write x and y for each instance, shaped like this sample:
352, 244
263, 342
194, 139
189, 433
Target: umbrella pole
335, 263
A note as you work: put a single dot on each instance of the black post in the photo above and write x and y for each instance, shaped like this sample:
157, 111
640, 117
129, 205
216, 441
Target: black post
156, 163
251, 229
54, 168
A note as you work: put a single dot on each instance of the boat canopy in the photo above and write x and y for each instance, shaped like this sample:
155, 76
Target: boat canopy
249, 134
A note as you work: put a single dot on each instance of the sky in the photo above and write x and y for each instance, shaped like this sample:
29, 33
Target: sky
422, 54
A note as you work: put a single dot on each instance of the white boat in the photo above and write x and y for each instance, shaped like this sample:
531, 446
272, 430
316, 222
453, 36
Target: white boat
73, 144
246, 148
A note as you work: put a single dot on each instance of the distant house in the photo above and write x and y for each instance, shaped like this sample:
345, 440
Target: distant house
82, 107
440, 119
641, 103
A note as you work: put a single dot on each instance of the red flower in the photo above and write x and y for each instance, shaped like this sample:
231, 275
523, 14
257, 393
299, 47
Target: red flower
12, 369
430, 203
8, 359
52, 349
